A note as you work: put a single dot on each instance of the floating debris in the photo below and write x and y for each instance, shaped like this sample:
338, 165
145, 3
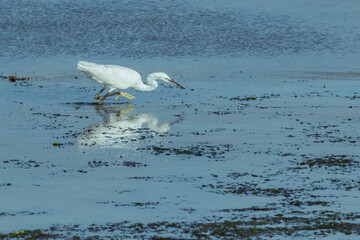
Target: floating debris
14, 78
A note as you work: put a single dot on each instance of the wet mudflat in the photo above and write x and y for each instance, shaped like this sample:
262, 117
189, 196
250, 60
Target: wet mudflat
263, 142
279, 157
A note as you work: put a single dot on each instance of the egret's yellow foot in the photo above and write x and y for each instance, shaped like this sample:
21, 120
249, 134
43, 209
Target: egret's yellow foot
129, 96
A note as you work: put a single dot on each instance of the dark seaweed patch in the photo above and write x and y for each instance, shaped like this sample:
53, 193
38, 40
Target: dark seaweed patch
22, 163
254, 228
99, 163
21, 213
209, 151
251, 209
329, 133
5, 184
132, 204
252, 98
249, 189
133, 164
57, 144
14, 78
331, 161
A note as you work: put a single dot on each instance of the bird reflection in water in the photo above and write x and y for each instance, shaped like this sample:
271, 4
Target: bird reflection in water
122, 130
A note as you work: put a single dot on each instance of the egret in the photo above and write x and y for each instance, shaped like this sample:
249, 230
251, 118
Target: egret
118, 77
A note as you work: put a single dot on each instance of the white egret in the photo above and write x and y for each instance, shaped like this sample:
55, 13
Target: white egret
118, 77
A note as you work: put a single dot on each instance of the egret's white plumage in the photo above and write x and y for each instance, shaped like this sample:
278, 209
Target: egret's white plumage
118, 77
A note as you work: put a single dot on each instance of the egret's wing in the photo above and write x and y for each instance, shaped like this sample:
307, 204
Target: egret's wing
122, 77
112, 75
95, 71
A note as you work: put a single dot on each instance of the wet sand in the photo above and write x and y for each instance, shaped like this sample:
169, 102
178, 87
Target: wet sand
242, 152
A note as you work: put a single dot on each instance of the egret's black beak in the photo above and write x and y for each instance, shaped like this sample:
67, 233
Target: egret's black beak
172, 81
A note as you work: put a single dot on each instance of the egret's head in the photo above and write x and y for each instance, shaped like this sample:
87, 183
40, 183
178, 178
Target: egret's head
164, 77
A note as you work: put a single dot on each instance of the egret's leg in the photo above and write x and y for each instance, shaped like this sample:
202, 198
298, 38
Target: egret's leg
105, 96
97, 95
124, 94
129, 96
109, 94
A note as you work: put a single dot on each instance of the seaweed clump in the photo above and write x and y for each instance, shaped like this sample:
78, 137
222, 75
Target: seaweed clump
209, 151
14, 78
330, 161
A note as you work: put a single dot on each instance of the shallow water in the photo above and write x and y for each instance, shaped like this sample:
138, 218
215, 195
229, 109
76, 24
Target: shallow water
266, 127
176, 28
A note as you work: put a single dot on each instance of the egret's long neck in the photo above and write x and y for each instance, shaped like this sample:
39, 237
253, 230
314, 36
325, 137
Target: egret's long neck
151, 81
